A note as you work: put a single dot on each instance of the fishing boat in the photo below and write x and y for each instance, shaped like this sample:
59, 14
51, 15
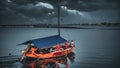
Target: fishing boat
39, 46
48, 47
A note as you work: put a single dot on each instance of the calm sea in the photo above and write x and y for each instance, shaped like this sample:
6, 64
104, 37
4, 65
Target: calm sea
94, 48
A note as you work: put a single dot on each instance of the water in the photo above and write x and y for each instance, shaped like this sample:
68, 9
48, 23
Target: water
95, 48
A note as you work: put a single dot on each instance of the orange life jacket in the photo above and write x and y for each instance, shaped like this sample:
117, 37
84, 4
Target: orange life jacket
57, 47
32, 50
66, 44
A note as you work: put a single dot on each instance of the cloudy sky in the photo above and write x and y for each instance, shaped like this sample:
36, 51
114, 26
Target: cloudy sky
72, 11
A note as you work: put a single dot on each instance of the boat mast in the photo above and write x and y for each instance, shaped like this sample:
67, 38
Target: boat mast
58, 17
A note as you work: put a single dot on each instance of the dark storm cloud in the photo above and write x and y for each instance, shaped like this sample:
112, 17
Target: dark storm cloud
32, 10
91, 5
86, 5
22, 11
26, 10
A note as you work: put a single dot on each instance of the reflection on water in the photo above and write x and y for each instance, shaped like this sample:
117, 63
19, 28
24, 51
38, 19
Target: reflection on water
57, 62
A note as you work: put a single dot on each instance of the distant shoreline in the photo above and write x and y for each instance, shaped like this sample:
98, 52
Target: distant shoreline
67, 26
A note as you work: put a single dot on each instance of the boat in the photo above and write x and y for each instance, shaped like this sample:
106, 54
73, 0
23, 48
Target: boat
47, 42
36, 47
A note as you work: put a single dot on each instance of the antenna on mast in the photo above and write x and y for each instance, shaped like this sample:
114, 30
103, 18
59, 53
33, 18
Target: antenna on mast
58, 17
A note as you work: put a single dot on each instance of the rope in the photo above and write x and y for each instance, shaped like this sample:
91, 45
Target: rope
66, 31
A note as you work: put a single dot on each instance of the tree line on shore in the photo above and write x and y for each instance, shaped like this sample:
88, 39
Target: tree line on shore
62, 25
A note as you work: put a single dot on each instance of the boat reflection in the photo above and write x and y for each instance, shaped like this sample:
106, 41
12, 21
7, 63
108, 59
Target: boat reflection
56, 62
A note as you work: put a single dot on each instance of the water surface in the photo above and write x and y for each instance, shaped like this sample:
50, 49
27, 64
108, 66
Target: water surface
95, 48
